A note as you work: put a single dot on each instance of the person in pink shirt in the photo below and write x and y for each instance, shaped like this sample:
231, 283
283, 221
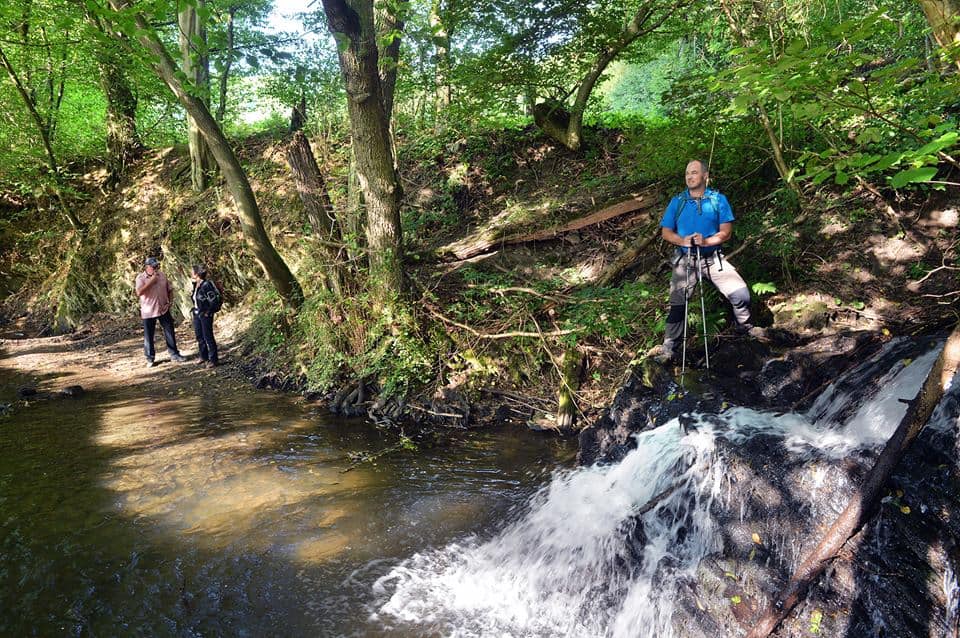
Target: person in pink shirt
154, 290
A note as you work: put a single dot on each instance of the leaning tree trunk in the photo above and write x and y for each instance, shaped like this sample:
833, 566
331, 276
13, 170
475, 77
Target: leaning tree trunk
389, 24
351, 23
944, 19
249, 212
195, 63
316, 201
44, 137
123, 142
567, 126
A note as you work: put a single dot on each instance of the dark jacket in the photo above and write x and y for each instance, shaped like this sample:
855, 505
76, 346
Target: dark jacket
206, 297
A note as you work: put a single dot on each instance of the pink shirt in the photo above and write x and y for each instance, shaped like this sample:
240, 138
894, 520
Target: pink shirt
155, 300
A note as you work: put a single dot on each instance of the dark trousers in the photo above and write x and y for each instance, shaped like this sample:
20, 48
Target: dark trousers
203, 329
150, 328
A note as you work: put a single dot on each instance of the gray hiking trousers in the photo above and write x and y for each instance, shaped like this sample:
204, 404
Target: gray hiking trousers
683, 283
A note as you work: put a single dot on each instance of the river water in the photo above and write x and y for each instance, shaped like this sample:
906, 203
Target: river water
134, 511
190, 513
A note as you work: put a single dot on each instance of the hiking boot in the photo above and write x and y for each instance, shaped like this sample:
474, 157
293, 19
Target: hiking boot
177, 358
661, 354
211, 364
151, 363
201, 362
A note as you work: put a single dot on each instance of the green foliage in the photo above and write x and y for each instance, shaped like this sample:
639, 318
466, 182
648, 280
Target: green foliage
609, 314
763, 288
267, 332
871, 119
338, 339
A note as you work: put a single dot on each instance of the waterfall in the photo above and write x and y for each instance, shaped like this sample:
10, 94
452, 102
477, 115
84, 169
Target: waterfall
607, 550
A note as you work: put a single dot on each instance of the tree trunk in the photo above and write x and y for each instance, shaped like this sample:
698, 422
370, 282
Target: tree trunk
944, 19
228, 62
195, 64
45, 139
353, 220
316, 201
389, 23
351, 23
249, 212
567, 126
123, 141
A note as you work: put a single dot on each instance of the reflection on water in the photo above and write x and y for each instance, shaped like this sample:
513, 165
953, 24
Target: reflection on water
130, 512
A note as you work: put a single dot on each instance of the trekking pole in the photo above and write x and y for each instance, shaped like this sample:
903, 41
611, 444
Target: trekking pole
703, 308
686, 312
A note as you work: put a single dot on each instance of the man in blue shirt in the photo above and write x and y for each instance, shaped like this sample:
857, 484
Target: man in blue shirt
700, 216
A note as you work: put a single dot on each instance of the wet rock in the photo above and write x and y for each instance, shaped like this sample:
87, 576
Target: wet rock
892, 579
744, 371
30, 393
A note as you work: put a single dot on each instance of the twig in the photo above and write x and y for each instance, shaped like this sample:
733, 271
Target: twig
445, 414
502, 335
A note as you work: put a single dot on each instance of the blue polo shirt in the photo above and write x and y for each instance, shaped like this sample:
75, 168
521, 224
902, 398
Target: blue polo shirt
686, 216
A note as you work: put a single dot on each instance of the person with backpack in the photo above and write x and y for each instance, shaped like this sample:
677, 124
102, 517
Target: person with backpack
207, 301
700, 218
154, 292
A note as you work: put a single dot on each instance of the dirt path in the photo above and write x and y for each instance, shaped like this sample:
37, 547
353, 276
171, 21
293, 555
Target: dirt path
106, 352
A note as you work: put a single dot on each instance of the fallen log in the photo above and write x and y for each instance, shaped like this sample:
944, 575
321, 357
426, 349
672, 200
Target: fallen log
471, 248
864, 500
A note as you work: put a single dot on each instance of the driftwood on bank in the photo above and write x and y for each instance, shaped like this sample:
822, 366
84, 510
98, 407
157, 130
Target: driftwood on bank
865, 498
465, 250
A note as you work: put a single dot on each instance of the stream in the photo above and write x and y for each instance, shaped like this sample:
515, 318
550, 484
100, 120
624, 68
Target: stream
133, 512
130, 512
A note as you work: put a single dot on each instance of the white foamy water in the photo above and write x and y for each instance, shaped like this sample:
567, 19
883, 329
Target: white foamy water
603, 551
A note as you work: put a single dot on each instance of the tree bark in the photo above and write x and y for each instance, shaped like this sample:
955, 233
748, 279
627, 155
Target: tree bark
249, 212
351, 24
316, 201
865, 498
228, 62
944, 19
389, 22
195, 64
569, 384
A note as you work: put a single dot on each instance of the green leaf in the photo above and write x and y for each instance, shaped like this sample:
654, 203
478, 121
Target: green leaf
816, 619
841, 178
913, 175
763, 288
938, 144
887, 161
735, 600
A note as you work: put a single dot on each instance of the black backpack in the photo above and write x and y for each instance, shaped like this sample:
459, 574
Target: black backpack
216, 298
